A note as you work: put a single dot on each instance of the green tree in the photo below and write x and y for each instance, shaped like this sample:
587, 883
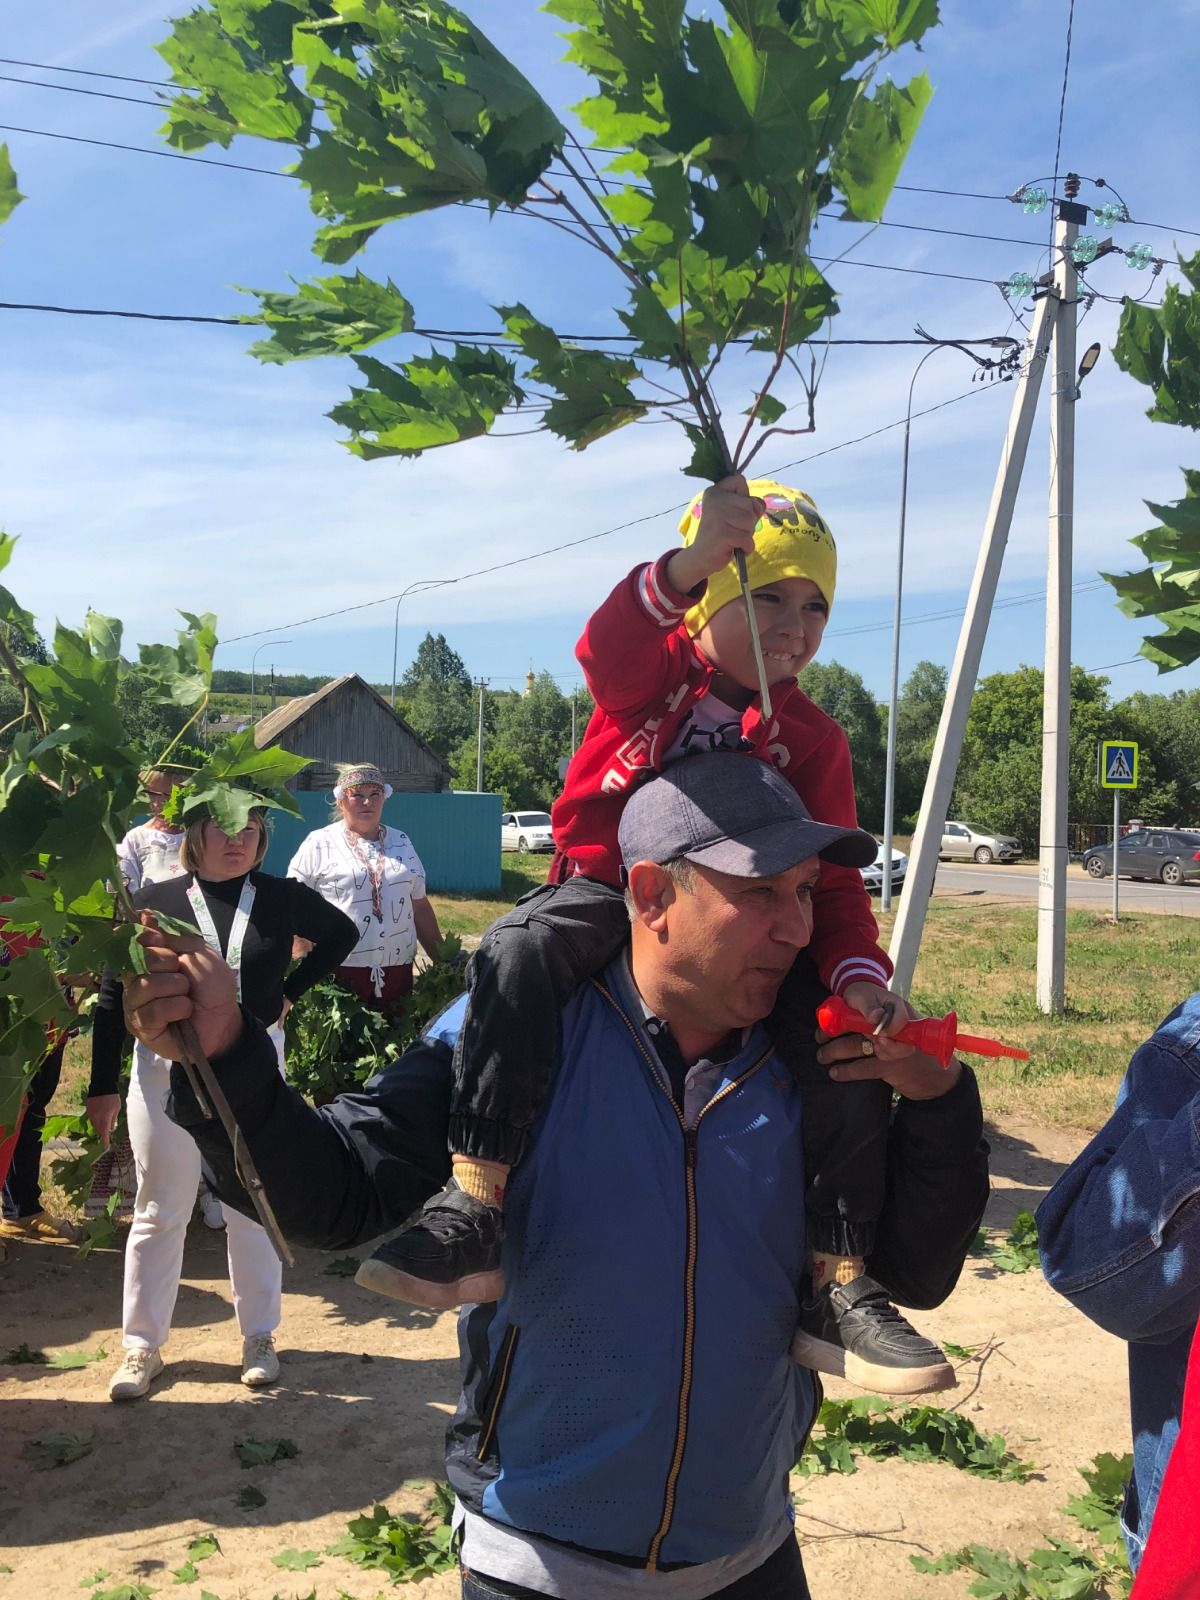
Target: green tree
1167, 729
436, 698
1000, 772
918, 710
1160, 347
846, 698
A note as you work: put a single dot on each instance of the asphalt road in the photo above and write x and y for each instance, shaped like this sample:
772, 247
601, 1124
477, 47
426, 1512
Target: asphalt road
1020, 882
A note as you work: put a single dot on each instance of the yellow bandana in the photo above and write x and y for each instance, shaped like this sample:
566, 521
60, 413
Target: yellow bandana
790, 541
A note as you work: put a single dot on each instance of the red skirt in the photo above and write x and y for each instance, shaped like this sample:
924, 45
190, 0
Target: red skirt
397, 985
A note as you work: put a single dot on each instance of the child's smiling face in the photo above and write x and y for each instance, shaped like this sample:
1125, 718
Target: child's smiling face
791, 614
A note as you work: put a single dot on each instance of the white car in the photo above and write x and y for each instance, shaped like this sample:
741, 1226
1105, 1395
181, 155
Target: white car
872, 876
526, 830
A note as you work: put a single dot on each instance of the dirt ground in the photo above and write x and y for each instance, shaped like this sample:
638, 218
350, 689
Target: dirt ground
365, 1392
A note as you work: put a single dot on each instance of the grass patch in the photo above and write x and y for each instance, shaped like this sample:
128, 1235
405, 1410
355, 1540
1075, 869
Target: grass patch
474, 914
1122, 981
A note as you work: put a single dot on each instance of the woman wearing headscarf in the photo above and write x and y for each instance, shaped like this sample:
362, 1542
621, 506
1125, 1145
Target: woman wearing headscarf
372, 872
252, 918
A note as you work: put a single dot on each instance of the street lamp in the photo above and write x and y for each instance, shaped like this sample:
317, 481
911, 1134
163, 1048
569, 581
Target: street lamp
266, 645
889, 795
420, 583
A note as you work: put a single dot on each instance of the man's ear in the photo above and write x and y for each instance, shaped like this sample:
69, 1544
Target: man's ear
652, 893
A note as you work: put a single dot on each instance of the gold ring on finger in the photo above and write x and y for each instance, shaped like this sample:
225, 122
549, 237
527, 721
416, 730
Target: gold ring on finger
868, 1049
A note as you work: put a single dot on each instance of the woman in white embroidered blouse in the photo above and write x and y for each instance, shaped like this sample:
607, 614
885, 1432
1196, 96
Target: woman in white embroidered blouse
149, 853
373, 874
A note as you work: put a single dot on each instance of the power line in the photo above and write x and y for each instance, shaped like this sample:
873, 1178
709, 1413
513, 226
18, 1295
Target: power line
86, 72
591, 538
494, 337
956, 611
141, 150
1062, 100
73, 88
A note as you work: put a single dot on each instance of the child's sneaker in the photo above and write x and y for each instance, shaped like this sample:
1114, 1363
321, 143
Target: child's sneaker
853, 1331
450, 1257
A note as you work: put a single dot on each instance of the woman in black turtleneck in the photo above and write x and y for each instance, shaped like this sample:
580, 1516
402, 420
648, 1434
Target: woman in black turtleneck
253, 917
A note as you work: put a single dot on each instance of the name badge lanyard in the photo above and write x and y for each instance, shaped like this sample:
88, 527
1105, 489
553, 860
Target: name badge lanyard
237, 934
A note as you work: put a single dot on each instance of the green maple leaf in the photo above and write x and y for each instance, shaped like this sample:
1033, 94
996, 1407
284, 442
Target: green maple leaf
880, 133
57, 1450
329, 316
10, 195
70, 1360
264, 1452
428, 401
182, 673
293, 1560
343, 1267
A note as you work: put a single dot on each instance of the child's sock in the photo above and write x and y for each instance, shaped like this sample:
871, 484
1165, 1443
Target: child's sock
485, 1180
827, 1268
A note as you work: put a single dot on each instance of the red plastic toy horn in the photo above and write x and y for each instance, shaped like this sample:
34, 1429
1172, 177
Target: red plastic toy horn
936, 1036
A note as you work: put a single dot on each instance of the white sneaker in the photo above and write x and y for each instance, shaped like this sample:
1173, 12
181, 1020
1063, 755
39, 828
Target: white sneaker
210, 1210
260, 1364
133, 1377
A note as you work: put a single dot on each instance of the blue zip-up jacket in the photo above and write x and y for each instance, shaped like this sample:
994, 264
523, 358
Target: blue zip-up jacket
1120, 1238
631, 1394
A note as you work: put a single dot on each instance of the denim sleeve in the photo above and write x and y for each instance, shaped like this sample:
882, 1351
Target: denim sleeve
1120, 1230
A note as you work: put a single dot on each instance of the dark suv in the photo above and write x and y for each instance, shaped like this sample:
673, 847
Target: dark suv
1167, 854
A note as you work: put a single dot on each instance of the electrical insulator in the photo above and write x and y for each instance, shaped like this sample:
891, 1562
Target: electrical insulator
1034, 200
1084, 249
1018, 286
1109, 214
1139, 256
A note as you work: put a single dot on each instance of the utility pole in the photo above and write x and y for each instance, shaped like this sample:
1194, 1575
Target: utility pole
910, 920
1056, 692
482, 686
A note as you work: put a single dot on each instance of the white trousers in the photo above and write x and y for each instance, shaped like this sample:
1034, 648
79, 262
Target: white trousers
168, 1170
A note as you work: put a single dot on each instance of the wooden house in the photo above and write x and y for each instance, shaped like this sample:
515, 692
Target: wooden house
345, 720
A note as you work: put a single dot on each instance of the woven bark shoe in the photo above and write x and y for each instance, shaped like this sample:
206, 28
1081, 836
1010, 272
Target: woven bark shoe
853, 1331
450, 1257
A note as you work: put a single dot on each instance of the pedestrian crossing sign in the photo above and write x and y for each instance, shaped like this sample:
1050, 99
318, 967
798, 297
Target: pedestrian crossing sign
1118, 764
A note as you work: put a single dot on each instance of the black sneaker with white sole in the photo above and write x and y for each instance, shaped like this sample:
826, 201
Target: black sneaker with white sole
450, 1257
853, 1331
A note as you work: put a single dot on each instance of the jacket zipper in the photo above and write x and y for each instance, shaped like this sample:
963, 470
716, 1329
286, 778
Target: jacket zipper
504, 1360
690, 1158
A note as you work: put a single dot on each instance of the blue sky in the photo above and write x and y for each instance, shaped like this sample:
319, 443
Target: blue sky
151, 467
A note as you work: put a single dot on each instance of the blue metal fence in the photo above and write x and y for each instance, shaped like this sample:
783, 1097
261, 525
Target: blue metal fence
457, 836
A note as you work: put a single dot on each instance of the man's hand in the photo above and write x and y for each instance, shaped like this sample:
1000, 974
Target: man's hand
185, 981
727, 522
103, 1111
853, 1058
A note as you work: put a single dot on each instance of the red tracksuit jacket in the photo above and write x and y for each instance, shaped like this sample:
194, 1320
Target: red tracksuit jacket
645, 673
1170, 1566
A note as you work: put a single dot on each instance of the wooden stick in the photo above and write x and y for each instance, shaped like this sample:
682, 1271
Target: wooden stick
196, 1064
